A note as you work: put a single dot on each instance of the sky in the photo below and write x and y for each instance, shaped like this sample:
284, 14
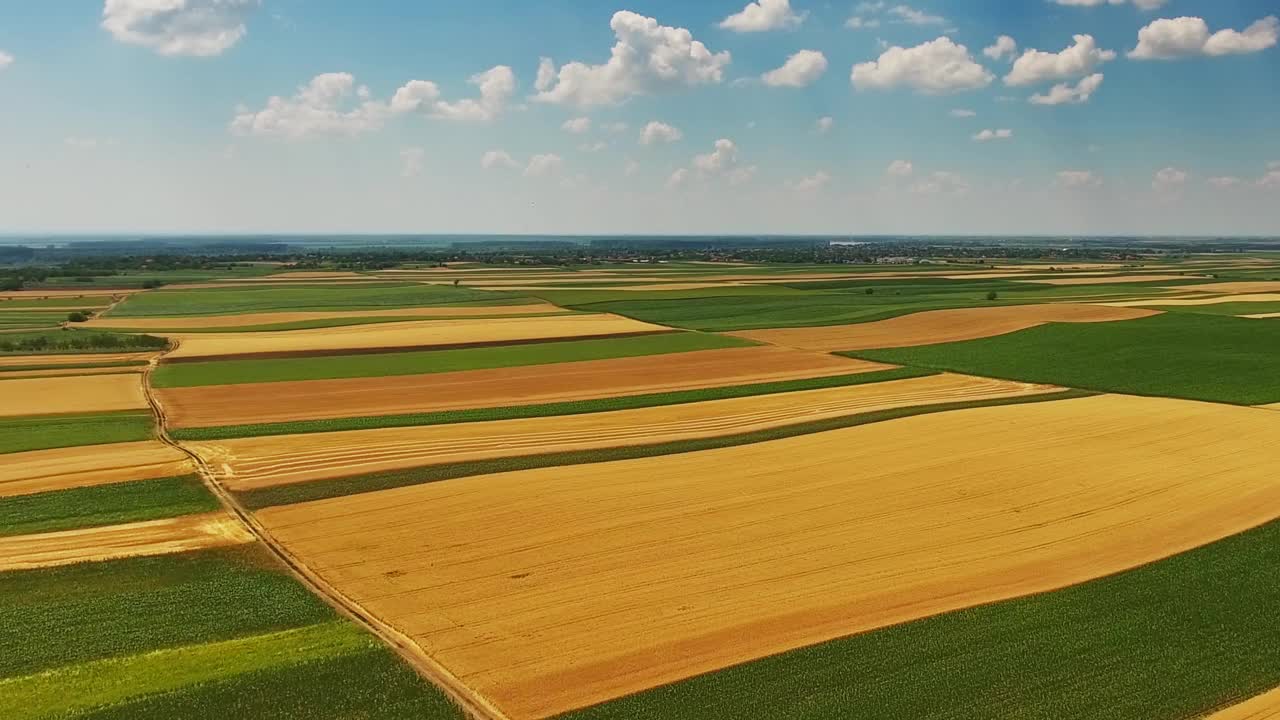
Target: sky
1041, 117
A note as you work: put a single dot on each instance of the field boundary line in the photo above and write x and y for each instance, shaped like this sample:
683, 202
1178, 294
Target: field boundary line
472, 703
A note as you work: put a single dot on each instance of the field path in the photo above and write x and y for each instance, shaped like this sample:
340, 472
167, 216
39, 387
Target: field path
472, 703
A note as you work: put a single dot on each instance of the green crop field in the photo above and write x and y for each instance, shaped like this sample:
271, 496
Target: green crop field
63, 303
42, 432
101, 505
1223, 308
76, 341
1168, 641
238, 300
1182, 355
224, 372
511, 412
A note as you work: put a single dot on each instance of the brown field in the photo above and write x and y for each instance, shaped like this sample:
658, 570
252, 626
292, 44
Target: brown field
939, 326
1262, 707
74, 359
195, 322
39, 471
500, 387
1109, 279
153, 537
548, 590
89, 302
1242, 287
56, 372
250, 463
416, 334
43, 294
1192, 301
56, 395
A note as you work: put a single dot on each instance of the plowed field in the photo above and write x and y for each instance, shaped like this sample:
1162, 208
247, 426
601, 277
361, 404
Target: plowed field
938, 326
250, 319
80, 394
552, 589
319, 399
423, 334
62, 468
249, 463
152, 537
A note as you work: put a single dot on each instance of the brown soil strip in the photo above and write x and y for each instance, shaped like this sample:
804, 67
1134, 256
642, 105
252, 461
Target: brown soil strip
152, 537
500, 387
939, 326
57, 372
64, 468
548, 590
1192, 301
56, 395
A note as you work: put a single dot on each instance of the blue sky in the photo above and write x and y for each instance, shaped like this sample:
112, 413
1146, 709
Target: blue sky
1149, 116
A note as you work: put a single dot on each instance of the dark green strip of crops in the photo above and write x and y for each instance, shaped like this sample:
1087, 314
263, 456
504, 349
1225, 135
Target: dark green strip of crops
104, 505
65, 615
20, 434
1172, 640
545, 410
339, 487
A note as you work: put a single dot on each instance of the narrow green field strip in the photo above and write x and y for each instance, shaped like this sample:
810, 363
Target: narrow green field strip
226, 372
1181, 355
65, 304
339, 487
103, 683
358, 684
70, 342
43, 432
68, 366
580, 407
104, 505
329, 322
54, 617
249, 299
1168, 641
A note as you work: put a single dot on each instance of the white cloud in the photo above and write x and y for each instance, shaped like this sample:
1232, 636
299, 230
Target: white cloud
1140, 4
940, 182
659, 132
200, 28
1064, 93
1168, 39
546, 74
824, 124
596, 146
497, 159
631, 168
814, 182
547, 165
912, 16
987, 135
5, 59
496, 84
617, 127
1035, 66
411, 161
763, 15
900, 168
1169, 178
1225, 181
861, 23
800, 70
722, 161
1078, 179
330, 104
962, 113
1004, 45
938, 66
678, 178
1272, 178
647, 58
577, 126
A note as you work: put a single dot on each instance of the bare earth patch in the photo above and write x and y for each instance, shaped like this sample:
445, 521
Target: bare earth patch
79, 394
152, 537
548, 590
63, 468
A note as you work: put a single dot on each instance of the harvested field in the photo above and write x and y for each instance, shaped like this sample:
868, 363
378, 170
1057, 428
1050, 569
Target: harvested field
151, 537
251, 463
1196, 301
51, 396
423, 334
1236, 287
74, 359
213, 405
87, 465
1262, 707
553, 589
1262, 316
250, 319
59, 372
1109, 279
939, 326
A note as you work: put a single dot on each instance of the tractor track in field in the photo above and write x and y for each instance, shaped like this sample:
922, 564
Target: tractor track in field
470, 702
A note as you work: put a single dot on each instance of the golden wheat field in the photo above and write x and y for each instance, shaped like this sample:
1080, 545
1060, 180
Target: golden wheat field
77, 394
37, 471
151, 537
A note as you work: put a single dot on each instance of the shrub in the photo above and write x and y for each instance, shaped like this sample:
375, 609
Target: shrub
77, 316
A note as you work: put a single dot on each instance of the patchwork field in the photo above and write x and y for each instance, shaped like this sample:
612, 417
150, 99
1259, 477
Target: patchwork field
604, 580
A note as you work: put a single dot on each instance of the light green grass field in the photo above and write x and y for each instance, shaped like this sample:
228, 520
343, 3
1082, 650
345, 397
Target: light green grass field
104, 505
42, 432
235, 300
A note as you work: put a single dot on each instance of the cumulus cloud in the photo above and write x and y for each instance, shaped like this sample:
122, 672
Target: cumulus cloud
900, 168
678, 178
988, 135
1169, 178
824, 124
577, 126
1004, 45
1169, 39
800, 70
659, 132
1078, 179
861, 23
497, 85
1065, 93
330, 104
201, 28
864, 17
812, 183
722, 162
497, 159
5, 59
1035, 66
911, 16
764, 15
962, 113
1140, 4
941, 182
411, 161
592, 147
647, 58
545, 165
936, 67
1225, 181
